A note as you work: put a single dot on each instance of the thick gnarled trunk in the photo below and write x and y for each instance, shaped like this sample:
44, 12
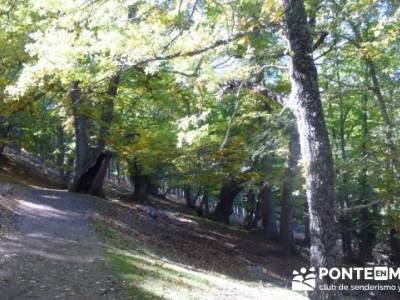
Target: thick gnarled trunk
81, 124
305, 101
142, 182
91, 164
108, 111
225, 205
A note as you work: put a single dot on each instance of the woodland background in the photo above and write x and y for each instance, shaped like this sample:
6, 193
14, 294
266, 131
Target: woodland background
244, 108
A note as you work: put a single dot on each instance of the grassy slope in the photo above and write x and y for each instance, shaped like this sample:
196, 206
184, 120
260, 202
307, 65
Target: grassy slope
178, 255
149, 268
13, 171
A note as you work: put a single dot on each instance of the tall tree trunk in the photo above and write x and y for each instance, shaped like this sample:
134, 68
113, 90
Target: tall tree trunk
286, 226
395, 246
307, 238
69, 169
257, 214
110, 169
81, 125
108, 111
96, 187
206, 203
346, 216
267, 212
91, 164
3, 134
390, 126
251, 205
376, 88
367, 228
203, 203
60, 159
188, 196
225, 205
118, 172
368, 232
306, 103
346, 232
141, 182
5, 128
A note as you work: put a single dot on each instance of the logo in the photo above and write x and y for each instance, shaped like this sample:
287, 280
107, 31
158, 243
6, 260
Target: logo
381, 273
304, 280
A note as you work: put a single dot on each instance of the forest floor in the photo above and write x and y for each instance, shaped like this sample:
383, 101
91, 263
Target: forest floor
59, 245
52, 252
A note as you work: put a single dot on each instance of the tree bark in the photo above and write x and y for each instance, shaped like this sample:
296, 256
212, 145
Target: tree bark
251, 202
346, 216
82, 152
305, 102
225, 205
267, 212
107, 115
286, 220
141, 182
4, 130
307, 238
203, 203
3, 134
366, 225
60, 158
104, 132
206, 203
100, 171
91, 164
257, 215
118, 171
394, 246
188, 196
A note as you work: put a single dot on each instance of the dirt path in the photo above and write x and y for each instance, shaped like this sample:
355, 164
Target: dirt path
54, 253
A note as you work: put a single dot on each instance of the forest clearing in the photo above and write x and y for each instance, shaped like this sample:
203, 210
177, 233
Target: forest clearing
195, 149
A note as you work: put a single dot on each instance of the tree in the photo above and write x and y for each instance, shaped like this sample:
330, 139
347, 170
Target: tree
286, 219
305, 101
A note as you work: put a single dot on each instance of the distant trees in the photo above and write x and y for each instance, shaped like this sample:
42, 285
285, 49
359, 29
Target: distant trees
288, 187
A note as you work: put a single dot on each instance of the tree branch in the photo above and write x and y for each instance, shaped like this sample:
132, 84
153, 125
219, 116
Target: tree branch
326, 51
268, 93
217, 44
357, 207
320, 40
184, 25
231, 120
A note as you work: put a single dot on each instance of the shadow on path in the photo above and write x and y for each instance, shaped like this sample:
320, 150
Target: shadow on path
54, 254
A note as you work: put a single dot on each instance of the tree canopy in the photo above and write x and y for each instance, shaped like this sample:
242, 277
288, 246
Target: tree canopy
201, 96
